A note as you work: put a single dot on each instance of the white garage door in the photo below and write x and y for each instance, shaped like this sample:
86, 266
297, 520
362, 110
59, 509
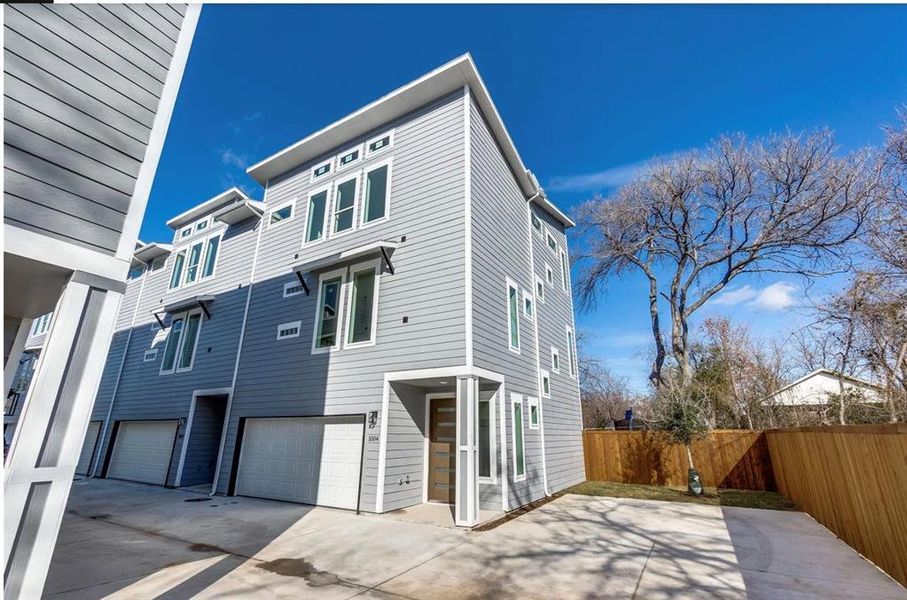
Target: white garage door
142, 451
88, 448
312, 460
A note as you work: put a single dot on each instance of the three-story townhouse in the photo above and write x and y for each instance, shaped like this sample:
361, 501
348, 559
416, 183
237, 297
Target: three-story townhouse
395, 328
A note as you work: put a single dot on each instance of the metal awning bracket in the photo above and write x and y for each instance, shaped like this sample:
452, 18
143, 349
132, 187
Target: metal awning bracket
387, 260
159, 321
302, 282
204, 308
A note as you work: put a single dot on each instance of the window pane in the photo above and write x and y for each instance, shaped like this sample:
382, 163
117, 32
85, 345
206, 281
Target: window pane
518, 438
327, 314
177, 273
201, 225
343, 205
536, 223
188, 347
173, 338
514, 318
135, 272
349, 157
379, 144
317, 206
361, 306
533, 414
375, 194
564, 270
195, 255
281, 214
484, 439
540, 290
211, 256
571, 353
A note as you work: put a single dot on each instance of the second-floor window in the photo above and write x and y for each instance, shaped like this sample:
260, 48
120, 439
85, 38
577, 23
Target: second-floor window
363, 305
345, 204
182, 338
327, 321
374, 201
195, 262
318, 205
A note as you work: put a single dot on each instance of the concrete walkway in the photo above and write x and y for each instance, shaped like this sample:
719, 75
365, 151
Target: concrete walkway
125, 540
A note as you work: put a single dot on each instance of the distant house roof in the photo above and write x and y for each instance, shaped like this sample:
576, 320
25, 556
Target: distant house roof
443, 80
232, 195
831, 373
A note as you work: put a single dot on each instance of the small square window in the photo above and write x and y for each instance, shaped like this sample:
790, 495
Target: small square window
535, 416
540, 289
201, 225
549, 274
349, 158
528, 305
552, 243
321, 170
546, 384
536, 224
292, 288
380, 143
280, 214
186, 232
288, 330
555, 360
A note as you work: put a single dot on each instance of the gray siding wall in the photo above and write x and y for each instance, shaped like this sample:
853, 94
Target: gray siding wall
562, 411
405, 472
143, 392
283, 378
501, 250
82, 87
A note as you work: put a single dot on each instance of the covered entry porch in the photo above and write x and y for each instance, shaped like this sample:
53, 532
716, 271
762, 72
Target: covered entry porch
442, 443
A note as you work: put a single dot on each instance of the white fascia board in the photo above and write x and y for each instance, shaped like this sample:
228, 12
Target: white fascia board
148, 252
198, 210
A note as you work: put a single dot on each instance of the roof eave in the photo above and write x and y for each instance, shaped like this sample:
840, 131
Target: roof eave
200, 209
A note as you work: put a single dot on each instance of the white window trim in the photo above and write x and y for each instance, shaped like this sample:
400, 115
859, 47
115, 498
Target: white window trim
549, 275
340, 297
353, 269
572, 367
389, 162
185, 233
492, 440
220, 245
201, 260
511, 284
514, 400
206, 221
289, 285
282, 205
328, 212
555, 365
550, 238
540, 289
349, 165
289, 325
543, 375
532, 221
179, 282
565, 269
357, 177
530, 403
390, 143
327, 173
150, 355
179, 345
531, 298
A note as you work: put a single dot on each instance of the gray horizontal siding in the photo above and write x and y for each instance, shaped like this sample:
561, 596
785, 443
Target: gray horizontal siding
82, 87
405, 447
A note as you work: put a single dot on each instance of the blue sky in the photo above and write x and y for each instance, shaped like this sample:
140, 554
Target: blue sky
587, 92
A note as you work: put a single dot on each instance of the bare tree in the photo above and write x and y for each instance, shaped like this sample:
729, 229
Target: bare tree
693, 224
604, 396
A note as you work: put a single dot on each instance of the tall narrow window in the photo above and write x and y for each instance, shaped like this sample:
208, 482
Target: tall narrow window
552, 244
361, 327
375, 202
571, 352
328, 313
190, 336
519, 450
173, 340
540, 289
317, 207
211, 256
486, 432
565, 272
546, 383
513, 316
177, 274
549, 274
195, 256
344, 202
555, 360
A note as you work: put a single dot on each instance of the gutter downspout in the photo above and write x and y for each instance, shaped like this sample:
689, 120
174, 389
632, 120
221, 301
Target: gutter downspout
116, 385
242, 335
535, 325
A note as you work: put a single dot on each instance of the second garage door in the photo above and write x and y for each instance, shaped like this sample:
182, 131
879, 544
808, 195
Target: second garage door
312, 460
142, 451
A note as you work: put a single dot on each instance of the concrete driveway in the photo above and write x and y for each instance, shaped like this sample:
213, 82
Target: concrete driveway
126, 540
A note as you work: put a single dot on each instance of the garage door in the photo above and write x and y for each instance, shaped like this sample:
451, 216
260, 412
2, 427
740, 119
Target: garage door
312, 460
88, 448
142, 451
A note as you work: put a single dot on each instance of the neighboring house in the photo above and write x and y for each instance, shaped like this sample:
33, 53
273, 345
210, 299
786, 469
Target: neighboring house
816, 387
88, 94
24, 372
392, 325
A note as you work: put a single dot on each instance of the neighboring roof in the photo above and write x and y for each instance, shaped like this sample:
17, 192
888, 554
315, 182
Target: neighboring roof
443, 80
830, 373
239, 211
231, 195
148, 252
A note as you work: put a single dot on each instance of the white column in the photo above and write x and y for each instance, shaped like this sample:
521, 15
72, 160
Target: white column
45, 449
467, 481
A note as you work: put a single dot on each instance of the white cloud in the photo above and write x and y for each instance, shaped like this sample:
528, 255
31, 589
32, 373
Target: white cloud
609, 178
776, 296
232, 158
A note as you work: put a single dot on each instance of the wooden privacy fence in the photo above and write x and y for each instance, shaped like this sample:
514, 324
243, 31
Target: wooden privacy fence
853, 480
725, 459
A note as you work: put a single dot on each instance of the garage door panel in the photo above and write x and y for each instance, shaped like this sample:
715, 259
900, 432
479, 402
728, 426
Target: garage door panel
142, 451
312, 460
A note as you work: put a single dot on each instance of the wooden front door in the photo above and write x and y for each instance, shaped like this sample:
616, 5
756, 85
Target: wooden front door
442, 452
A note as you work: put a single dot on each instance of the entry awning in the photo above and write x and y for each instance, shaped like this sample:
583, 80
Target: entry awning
200, 301
239, 211
383, 249
148, 252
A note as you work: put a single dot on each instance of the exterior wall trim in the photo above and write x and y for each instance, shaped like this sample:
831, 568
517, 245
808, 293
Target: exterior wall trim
538, 360
467, 269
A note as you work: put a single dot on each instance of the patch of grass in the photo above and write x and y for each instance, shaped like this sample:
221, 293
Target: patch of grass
711, 496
